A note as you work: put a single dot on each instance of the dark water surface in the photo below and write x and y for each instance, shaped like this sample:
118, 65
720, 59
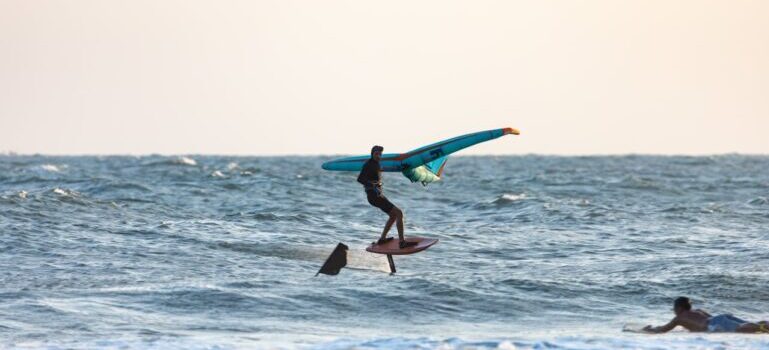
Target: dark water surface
202, 252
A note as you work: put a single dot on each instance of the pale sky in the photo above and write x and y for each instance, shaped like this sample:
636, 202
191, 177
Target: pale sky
335, 77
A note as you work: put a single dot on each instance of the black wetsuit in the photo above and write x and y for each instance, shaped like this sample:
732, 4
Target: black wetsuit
371, 179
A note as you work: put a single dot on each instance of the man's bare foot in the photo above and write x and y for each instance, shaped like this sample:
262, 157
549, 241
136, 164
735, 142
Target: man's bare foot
406, 244
384, 240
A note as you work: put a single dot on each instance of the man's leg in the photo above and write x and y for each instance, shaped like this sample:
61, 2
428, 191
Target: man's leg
399, 218
748, 328
397, 215
389, 224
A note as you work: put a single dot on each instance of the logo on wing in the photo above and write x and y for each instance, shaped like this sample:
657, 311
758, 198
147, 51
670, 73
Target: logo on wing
436, 153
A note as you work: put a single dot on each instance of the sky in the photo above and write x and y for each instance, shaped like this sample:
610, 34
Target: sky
335, 77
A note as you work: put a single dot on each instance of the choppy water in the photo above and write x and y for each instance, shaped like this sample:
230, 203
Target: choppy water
204, 252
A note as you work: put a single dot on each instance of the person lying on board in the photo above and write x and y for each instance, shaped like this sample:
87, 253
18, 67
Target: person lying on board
371, 179
701, 321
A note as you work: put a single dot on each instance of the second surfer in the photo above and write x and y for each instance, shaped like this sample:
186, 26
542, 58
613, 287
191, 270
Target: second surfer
371, 179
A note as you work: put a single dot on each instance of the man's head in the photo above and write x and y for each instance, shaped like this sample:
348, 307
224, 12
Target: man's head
682, 304
376, 152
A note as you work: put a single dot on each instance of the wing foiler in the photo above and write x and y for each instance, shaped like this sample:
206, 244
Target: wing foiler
424, 164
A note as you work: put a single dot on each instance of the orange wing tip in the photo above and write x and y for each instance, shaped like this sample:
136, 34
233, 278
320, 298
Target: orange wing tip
506, 131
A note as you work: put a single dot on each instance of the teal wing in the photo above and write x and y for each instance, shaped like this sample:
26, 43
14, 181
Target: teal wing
431, 152
424, 164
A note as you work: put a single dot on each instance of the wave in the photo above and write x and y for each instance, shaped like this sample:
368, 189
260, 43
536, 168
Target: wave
234, 338
51, 168
640, 342
110, 186
689, 209
502, 200
201, 299
63, 192
638, 183
185, 161
164, 161
266, 216
155, 341
509, 197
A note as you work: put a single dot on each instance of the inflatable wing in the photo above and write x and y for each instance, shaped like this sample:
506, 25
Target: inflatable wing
424, 164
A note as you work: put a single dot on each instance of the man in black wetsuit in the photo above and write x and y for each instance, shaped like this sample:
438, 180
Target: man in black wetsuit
371, 179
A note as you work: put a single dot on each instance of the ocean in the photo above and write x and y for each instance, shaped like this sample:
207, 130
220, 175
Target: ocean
535, 252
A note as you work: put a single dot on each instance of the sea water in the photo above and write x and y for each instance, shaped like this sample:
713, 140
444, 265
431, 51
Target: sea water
535, 252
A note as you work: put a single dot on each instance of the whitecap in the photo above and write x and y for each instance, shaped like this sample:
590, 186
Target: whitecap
506, 198
186, 161
22, 194
232, 165
217, 173
50, 167
513, 197
65, 192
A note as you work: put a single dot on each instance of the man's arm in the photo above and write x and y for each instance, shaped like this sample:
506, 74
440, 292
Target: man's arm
364, 175
662, 329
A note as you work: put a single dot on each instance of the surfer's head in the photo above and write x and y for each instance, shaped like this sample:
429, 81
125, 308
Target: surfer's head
376, 152
682, 304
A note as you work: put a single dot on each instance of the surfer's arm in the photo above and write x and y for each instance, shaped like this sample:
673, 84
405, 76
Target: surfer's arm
662, 329
364, 177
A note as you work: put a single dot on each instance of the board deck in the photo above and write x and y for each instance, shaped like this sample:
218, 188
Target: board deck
392, 248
